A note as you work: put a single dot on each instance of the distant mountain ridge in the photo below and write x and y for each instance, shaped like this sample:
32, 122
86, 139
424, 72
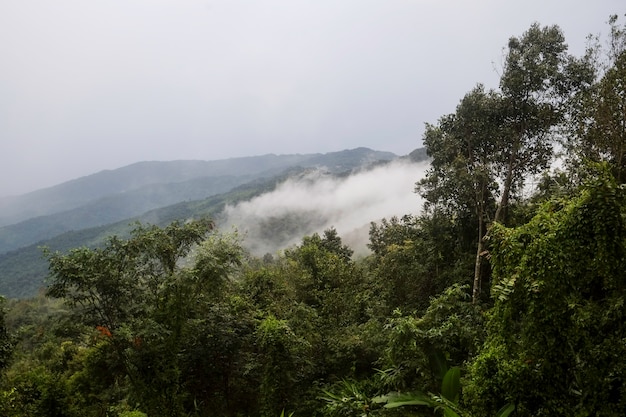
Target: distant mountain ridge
111, 196
23, 268
81, 191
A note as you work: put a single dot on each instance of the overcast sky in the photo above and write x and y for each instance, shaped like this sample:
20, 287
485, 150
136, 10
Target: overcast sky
87, 85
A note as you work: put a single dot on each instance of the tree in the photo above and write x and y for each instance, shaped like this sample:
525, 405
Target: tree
501, 137
6, 341
283, 357
556, 331
147, 304
600, 122
124, 280
416, 258
535, 86
462, 175
327, 313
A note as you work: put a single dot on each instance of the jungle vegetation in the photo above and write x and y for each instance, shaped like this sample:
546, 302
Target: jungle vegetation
501, 297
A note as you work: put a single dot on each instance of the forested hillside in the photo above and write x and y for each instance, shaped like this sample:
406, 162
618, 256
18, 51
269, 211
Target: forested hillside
134, 189
22, 271
504, 295
269, 229
114, 208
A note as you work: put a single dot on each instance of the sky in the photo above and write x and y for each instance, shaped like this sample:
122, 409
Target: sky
92, 85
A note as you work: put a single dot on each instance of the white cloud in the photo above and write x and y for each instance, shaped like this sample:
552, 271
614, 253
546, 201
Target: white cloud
320, 201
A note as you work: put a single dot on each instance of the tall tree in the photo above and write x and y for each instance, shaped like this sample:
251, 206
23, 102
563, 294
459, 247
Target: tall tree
461, 179
538, 79
600, 122
501, 137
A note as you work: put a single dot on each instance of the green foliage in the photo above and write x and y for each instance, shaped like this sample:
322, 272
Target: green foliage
419, 349
462, 146
6, 341
348, 399
495, 140
110, 286
600, 120
216, 260
133, 413
412, 263
335, 308
555, 343
54, 373
153, 313
283, 363
447, 402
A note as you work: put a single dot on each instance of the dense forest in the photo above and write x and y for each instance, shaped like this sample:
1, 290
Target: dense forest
505, 295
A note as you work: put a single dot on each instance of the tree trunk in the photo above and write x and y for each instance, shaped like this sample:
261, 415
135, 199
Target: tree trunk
480, 213
479, 261
506, 191
621, 139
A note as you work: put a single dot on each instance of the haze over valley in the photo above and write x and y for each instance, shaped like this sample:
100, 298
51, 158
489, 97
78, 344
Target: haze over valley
271, 200
315, 201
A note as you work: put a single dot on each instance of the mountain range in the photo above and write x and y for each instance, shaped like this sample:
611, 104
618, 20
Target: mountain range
87, 210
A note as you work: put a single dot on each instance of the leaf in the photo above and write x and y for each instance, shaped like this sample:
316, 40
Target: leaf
450, 409
426, 402
401, 400
506, 410
451, 385
447, 412
282, 413
438, 362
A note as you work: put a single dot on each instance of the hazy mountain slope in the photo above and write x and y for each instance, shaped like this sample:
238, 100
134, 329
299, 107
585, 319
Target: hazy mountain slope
22, 271
113, 208
135, 199
347, 159
81, 191
86, 189
271, 214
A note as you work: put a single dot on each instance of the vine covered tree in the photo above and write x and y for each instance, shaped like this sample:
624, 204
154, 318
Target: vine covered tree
556, 332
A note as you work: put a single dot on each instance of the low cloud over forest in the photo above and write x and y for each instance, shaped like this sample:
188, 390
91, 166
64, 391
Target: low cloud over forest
316, 200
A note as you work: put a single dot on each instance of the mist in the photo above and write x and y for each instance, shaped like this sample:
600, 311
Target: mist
316, 201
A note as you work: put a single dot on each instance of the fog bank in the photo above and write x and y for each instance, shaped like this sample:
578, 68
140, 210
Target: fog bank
316, 201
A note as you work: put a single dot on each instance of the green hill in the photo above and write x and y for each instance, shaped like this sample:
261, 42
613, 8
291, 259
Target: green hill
129, 179
149, 185
22, 270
